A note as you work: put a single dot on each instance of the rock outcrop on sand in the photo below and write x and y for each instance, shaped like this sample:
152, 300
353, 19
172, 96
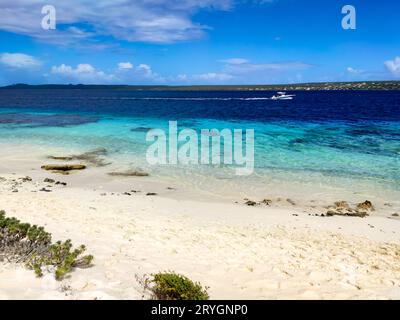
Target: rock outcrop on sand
63, 168
366, 205
342, 208
251, 203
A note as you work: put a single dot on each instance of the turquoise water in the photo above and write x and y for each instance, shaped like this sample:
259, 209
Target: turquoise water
361, 146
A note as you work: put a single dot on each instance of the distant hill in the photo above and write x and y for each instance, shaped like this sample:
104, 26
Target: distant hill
362, 85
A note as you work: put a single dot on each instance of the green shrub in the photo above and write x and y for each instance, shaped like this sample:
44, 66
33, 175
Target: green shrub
32, 245
172, 286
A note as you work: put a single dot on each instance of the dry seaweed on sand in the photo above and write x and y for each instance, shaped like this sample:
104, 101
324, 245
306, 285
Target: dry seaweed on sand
128, 173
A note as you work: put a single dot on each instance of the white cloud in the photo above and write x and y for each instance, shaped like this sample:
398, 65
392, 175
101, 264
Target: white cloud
243, 66
240, 70
19, 60
235, 61
213, 76
124, 73
146, 69
156, 21
201, 78
354, 71
64, 69
145, 72
125, 66
182, 77
393, 66
83, 73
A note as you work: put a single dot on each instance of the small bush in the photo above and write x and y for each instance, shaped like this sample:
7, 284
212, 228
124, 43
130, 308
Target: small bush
172, 286
23, 243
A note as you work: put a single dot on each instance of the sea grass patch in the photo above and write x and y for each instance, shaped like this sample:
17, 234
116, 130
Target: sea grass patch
93, 157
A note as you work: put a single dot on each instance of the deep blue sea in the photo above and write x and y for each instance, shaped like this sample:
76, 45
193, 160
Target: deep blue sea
329, 134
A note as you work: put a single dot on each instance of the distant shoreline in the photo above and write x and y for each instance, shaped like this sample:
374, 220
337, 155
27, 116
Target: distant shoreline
318, 86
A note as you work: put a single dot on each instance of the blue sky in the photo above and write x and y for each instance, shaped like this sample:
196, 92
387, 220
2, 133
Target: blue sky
198, 42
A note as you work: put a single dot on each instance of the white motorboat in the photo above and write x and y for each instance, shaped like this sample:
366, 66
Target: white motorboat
283, 96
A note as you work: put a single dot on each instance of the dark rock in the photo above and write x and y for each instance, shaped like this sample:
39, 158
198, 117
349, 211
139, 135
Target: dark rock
250, 203
366, 205
359, 214
151, 194
291, 202
342, 208
63, 168
342, 205
48, 180
267, 202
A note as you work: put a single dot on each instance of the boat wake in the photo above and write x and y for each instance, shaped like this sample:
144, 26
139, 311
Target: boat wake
181, 99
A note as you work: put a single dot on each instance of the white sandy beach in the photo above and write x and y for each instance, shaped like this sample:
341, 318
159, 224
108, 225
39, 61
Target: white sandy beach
282, 251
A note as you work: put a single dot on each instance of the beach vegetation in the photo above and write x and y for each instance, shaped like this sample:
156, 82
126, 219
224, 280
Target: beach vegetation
32, 245
171, 286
